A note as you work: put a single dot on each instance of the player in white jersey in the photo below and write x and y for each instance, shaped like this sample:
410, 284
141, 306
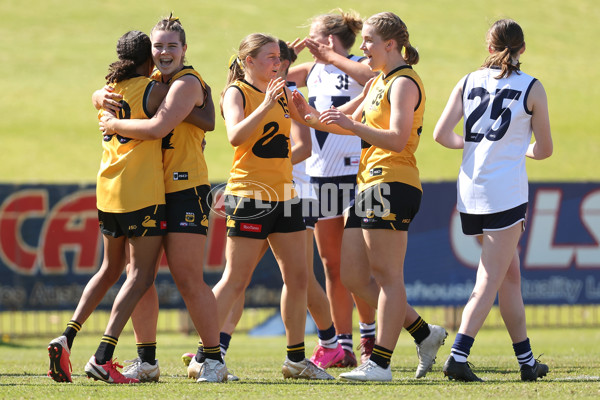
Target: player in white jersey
334, 78
500, 107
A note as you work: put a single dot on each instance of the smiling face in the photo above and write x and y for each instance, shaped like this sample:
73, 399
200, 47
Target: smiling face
167, 52
266, 64
374, 48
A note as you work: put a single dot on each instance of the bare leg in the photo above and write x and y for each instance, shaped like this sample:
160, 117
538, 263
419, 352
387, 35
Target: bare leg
111, 269
511, 304
241, 255
143, 255
328, 234
386, 251
185, 254
318, 303
289, 250
145, 315
498, 249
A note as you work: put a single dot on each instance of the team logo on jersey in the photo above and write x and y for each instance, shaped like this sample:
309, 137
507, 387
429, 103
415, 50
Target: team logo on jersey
271, 144
204, 221
180, 176
166, 141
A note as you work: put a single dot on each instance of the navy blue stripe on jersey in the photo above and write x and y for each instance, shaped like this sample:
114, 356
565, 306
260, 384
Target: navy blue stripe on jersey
527, 110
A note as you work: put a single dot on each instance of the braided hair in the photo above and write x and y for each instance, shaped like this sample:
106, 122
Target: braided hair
133, 50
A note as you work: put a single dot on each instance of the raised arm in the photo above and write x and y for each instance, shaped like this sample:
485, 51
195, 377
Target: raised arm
324, 53
240, 127
184, 94
404, 96
444, 129
540, 121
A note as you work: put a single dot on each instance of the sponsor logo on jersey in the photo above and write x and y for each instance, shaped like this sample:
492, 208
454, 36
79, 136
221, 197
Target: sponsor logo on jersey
180, 176
163, 224
246, 227
375, 171
183, 224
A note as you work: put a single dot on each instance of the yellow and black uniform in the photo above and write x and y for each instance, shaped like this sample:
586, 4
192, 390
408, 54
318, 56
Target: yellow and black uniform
388, 181
260, 198
185, 173
130, 192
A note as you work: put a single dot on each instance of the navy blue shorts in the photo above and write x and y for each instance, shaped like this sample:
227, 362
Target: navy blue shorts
475, 224
335, 194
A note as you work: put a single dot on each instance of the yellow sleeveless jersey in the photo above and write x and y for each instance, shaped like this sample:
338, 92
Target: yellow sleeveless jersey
130, 176
183, 158
379, 165
262, 167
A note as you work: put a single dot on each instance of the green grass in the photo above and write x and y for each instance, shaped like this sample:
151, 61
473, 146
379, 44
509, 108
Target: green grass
56, 52
572, 355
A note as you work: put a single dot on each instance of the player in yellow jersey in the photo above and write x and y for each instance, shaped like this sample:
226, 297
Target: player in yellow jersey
187, 189
260, 201
131, 212
389, 122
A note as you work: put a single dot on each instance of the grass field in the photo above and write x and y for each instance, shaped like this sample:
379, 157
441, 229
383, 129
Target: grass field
572, 355
56, 52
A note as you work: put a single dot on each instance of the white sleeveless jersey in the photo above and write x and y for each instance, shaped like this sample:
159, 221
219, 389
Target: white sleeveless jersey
497, 131
332, 155
302, 184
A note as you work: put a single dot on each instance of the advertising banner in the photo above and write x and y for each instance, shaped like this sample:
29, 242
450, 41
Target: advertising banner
50, 246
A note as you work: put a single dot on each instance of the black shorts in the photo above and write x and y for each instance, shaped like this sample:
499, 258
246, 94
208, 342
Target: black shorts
148, 221
250, 218
188, 210
310, 212
387, 205
476, 224
352, 220
335, 194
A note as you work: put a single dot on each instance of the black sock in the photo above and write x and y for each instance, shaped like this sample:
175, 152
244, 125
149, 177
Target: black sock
106, 349
296, 353
200, 353
147, 352
224, 340
381, 356
419, 330
72, 328
213, 353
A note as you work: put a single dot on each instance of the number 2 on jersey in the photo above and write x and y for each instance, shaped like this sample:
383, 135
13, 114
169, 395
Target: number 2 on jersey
499, 115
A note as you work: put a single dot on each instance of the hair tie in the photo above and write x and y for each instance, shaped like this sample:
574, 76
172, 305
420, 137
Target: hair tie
172, 18
234, 59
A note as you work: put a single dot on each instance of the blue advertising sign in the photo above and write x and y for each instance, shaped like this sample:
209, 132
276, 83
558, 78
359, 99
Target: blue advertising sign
50, 246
